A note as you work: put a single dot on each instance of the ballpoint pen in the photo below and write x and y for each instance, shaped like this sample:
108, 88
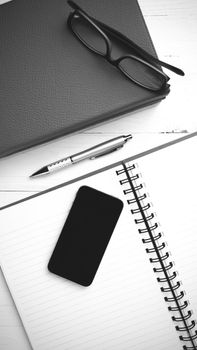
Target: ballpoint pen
90, 153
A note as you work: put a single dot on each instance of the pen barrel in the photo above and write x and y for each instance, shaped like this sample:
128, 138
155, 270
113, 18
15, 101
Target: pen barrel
99, 150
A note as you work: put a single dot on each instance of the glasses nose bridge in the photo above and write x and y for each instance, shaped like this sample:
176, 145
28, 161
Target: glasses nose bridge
108, 56
111, 60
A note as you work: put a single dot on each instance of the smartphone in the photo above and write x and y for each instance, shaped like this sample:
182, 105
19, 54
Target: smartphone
85, 235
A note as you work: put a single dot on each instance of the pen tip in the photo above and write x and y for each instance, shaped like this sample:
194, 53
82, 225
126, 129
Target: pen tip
41, 171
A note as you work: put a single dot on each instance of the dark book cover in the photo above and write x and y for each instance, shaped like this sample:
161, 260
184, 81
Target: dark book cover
50, 84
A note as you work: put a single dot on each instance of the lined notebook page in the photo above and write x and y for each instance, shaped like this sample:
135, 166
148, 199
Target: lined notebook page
122, 309
170, 176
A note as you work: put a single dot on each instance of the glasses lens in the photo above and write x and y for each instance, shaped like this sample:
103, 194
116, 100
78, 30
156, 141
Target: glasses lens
142, 73
88, 34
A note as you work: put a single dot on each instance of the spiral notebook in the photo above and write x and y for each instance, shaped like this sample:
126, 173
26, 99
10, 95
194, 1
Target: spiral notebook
144, 295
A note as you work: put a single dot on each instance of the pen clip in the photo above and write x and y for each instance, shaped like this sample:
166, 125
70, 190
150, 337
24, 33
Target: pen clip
106, 152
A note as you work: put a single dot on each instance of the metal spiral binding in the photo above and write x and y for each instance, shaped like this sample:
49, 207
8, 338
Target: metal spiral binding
159, 257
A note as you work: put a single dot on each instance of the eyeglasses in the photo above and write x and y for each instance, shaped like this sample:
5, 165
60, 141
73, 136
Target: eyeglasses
140, 67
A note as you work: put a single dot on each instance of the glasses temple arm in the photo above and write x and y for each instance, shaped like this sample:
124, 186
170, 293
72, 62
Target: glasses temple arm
144, 54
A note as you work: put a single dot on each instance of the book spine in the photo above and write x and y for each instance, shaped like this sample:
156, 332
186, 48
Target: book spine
149, 228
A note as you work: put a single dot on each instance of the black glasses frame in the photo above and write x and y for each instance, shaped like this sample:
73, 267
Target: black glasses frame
141, 55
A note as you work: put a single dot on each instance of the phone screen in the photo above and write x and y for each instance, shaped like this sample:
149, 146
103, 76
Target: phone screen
85, 235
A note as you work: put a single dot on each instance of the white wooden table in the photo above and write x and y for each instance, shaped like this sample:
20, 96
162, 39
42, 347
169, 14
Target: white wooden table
173, 27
